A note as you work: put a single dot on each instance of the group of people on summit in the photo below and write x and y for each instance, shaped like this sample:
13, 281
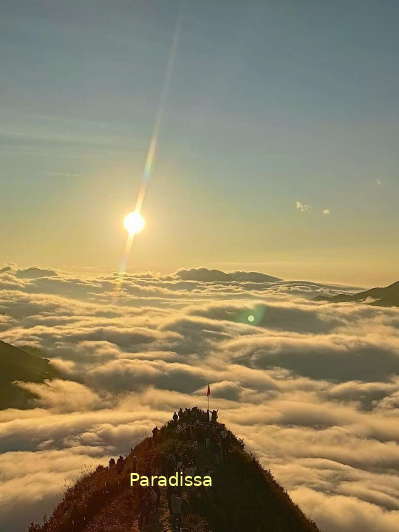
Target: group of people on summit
202, 446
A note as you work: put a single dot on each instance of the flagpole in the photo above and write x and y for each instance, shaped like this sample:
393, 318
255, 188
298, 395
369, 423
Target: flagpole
208, 393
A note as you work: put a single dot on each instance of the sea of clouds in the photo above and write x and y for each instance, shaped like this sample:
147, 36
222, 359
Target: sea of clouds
312, 387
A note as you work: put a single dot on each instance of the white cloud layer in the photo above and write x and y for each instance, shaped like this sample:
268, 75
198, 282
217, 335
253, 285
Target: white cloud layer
312, 387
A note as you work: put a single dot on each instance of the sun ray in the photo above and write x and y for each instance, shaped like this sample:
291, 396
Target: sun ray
136, 220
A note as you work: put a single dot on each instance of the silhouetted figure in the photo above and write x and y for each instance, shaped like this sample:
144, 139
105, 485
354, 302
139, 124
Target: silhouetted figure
214, 415
171, 463
179, 465
175, 417
119, 463
112, 462
155, 432
191, 469
157, 491
176, 504
145, 509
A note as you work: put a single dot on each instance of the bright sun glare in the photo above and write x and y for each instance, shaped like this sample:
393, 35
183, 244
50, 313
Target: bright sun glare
133, 223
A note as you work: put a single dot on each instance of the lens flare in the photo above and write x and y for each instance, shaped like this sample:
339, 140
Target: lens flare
134, 223
253, 316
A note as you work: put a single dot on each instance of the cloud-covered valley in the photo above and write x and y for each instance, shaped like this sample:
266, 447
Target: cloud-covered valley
311, 386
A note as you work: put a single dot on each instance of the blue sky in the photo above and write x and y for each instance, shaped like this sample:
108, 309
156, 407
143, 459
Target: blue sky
270, 103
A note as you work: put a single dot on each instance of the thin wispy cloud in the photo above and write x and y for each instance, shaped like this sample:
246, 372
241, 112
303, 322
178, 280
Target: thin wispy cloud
302, 207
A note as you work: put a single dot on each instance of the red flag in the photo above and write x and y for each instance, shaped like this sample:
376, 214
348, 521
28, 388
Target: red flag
208, 393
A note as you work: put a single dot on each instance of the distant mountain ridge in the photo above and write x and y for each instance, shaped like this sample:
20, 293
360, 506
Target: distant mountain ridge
205, 275
384, 297
243, 497
18, 364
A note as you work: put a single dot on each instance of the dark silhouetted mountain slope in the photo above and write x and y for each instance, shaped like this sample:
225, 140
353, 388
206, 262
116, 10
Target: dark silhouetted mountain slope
243, 498
20, 365
383, 297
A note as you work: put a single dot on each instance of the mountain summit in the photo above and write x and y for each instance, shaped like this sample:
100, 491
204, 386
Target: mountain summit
192, 475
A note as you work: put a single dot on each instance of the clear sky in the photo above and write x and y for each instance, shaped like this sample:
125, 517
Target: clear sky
277, 111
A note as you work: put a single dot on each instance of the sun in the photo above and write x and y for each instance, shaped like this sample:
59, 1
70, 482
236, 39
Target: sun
134, 223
